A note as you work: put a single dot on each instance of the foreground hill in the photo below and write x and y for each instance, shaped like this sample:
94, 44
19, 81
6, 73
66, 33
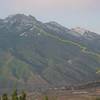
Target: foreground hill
39, 54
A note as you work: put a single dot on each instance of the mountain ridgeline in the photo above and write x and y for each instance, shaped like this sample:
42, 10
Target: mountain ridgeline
36, 54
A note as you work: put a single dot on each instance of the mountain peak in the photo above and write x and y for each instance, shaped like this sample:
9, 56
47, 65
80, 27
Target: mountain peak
85, 33
16, 16
80, 30
20, 18
53, 23
36, 54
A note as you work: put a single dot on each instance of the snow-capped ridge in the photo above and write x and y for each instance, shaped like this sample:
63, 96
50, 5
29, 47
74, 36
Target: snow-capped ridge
79, 30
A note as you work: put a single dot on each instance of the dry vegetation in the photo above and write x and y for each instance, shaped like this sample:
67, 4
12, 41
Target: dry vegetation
68, 97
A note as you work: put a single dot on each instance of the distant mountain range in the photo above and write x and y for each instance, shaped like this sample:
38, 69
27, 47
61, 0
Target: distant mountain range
35, 54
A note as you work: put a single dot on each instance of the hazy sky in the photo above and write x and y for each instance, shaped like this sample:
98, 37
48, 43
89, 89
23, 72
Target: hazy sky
70, 13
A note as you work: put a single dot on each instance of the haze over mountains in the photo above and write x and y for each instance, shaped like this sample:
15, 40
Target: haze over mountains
39, 54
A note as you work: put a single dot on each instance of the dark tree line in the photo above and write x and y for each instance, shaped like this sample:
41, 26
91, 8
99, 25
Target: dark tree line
14, 96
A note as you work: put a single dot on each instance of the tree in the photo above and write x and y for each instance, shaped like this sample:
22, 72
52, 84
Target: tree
20, 97
46, 98
23, 95
4, 96
15, 95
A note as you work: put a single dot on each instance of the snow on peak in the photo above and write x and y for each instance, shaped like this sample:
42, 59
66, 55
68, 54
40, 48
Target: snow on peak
80, 30
21, 18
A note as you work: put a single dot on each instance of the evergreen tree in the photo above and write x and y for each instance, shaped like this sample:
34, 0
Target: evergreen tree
15, 95
46, 98
4, 96
20, 97
23, 95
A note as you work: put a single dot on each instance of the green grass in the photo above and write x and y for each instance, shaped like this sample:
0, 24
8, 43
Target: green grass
16, 69
83, 49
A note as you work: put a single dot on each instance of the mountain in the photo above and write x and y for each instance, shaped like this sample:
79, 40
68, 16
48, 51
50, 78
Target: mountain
34, 54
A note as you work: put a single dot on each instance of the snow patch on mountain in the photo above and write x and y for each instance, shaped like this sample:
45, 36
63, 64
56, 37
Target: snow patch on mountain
80, 30
23, 34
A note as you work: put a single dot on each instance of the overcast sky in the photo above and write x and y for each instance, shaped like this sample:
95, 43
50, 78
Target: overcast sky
70, 13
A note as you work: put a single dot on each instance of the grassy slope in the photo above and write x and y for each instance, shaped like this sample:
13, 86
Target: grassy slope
83, 48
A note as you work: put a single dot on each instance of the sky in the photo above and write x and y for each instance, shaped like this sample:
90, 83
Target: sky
70, 13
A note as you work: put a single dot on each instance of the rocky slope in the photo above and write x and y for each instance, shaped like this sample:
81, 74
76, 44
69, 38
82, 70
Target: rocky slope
39, 54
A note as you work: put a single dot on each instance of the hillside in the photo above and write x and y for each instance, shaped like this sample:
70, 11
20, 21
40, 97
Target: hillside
39, 54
